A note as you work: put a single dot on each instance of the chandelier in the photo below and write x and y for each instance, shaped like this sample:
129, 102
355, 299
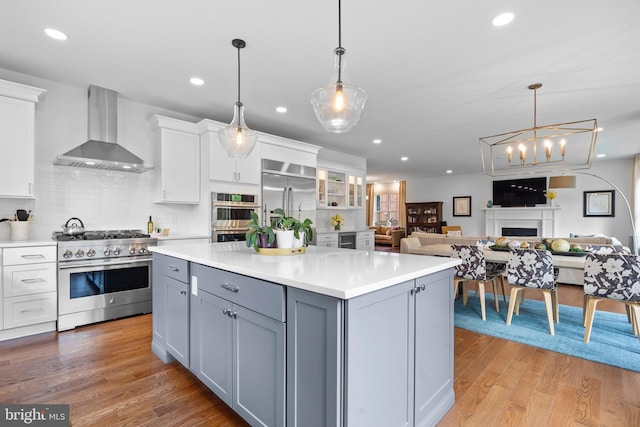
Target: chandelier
562, 146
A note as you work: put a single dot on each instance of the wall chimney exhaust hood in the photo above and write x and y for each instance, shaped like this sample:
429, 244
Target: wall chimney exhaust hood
102, 151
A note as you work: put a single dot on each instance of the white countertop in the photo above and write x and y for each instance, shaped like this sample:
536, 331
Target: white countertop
24, 243
341, 273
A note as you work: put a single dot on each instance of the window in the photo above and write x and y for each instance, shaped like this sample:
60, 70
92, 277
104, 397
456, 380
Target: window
386, 208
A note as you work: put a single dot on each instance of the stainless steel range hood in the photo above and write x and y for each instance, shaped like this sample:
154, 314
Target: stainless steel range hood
102, 151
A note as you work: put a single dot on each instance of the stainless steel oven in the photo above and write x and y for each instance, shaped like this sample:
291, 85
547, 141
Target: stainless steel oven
103, 279
230, 215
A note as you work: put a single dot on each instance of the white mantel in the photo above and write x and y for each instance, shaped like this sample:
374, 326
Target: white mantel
542, 218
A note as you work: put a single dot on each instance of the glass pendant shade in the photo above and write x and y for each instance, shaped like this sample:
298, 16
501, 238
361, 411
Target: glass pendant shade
339, 104
237, 139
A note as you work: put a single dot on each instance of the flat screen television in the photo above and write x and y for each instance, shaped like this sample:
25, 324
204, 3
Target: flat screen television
520, 192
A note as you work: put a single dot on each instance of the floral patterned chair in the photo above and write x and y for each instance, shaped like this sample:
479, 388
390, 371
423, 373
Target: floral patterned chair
607, 249
474, 269
615, 277
532, 269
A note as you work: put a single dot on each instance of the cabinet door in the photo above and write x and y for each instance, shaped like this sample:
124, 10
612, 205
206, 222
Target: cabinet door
180, 170
158, 301
177, 299
380, 358
355, 191
434, 348
224, 168
213, 344
259, 367
17, 143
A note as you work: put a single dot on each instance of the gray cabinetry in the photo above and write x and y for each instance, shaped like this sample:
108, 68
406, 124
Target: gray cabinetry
177, 297
238, 342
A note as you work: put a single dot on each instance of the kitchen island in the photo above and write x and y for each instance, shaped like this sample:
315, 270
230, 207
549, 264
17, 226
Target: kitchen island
333, 337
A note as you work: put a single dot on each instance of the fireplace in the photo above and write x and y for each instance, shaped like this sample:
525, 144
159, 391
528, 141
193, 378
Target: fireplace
519, 232
541, 219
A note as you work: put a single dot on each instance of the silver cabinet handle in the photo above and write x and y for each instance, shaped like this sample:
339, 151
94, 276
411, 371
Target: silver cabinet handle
174, 268
183, 292
226, 311
232, 288
32, 256
31, 310
230, 313
33, 280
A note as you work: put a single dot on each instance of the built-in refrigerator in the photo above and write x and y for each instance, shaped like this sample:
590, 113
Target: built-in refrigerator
290, 187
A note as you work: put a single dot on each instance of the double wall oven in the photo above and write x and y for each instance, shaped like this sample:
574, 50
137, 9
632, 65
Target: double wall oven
103, 275
230, 215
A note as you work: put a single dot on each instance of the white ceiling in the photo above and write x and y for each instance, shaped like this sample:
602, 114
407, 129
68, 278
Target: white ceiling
437, 73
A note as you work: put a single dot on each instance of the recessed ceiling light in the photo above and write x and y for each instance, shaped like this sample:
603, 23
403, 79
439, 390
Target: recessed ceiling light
601, 155
377, 141
502, 19
55, 34
449, 171
600, 129
281, 109
404, 158
196, 81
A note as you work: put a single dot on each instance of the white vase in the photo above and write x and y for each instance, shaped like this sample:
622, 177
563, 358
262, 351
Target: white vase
298, 243
284, 238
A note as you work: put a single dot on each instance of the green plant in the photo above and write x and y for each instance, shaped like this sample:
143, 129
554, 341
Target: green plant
252, 235
284, 222
305, 227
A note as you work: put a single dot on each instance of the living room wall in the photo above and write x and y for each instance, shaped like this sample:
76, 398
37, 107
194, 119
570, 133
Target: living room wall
570, 219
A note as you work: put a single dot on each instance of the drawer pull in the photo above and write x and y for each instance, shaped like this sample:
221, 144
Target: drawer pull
33, 280
174, 268
31, 310
32, 256
232, 288
183, 292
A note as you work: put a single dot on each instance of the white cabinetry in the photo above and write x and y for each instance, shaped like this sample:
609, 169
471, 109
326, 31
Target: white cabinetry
29, 291
340, 187
328, 240
221, 166
287, 150
366, 240
17, 123
177, 160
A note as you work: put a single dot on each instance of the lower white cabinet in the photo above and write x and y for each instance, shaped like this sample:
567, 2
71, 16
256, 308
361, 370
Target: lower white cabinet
29, 290
366, 240
238, 342
328, 240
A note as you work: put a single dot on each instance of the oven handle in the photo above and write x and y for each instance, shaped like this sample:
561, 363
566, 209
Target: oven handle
108, 262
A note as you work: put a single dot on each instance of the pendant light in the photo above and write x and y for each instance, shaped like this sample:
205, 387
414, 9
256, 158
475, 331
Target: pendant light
237, 139
339, 104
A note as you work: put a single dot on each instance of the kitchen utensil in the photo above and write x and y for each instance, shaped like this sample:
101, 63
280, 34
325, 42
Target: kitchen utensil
73, 227
22, 215
4, 219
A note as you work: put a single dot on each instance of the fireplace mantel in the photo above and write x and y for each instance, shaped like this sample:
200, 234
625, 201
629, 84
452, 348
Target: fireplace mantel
543, 218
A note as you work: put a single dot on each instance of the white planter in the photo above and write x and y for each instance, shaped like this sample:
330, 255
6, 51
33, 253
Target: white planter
298, 243
284, 238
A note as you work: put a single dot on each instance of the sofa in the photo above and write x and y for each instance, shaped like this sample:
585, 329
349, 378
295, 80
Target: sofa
419, 242
387, 235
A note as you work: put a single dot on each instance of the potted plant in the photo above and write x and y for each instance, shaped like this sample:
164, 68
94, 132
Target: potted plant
259, 236
291, 232
302, 232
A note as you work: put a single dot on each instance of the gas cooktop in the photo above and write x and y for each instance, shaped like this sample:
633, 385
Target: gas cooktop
100, 235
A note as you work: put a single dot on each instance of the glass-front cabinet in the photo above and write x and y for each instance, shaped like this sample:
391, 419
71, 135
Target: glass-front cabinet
356, 191
332, 189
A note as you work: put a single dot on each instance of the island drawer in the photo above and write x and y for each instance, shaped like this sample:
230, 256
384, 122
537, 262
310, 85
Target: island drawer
177, 269
263, 297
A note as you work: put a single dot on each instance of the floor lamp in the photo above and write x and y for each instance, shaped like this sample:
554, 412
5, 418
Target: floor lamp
569, 181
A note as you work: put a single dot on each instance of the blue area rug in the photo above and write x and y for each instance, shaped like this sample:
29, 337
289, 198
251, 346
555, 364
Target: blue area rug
612, 341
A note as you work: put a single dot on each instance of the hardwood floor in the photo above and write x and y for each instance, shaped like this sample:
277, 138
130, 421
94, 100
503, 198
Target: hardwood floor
110, 377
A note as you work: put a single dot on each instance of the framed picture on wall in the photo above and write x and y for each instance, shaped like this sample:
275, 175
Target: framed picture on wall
462, 206
599, 203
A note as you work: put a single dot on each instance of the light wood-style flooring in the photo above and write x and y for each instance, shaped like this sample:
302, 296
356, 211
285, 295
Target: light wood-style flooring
110, 377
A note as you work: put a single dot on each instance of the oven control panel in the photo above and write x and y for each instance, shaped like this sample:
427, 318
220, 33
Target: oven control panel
103, 249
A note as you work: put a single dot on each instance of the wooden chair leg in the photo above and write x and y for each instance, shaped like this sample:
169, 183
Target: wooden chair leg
465, 292
504, 294
591, 309
496, 298
513, 298
584, 310
482, 305
635, 314
556, 306
549, 304
520, 301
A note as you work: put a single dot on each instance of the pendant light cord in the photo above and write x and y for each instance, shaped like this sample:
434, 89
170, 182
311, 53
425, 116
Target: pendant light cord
239, 76
340, 49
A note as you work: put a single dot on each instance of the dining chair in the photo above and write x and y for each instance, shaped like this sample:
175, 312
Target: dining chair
532, 269
474, 269
607, 249
615, 277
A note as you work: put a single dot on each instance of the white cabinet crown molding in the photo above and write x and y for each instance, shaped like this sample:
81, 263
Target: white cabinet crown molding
20, 91
163, 122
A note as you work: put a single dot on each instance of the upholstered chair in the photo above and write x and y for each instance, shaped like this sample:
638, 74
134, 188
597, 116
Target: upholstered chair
607, 249
530, 269
473, 270
614, 277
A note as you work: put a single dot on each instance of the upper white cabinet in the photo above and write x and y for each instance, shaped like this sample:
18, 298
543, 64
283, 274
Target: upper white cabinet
177, 160
287, 150
17, 124
221, 166
340, 186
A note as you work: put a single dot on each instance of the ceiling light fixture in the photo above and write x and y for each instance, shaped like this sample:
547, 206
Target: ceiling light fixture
237, 139
502, 19
196, 81
565, 146
55, 34
404, 158
281, 109
339, 104
377, 141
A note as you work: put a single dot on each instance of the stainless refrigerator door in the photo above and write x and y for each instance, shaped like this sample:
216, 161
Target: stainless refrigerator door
301, 197
274, 192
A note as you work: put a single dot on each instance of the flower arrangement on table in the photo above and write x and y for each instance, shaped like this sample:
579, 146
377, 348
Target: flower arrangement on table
551, 195
337, 221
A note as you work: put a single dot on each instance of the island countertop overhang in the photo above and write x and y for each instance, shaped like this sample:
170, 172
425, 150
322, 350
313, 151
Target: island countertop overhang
340, 273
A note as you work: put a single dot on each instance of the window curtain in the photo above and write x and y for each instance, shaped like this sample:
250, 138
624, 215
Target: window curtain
635, 199
402, 208
370, 201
